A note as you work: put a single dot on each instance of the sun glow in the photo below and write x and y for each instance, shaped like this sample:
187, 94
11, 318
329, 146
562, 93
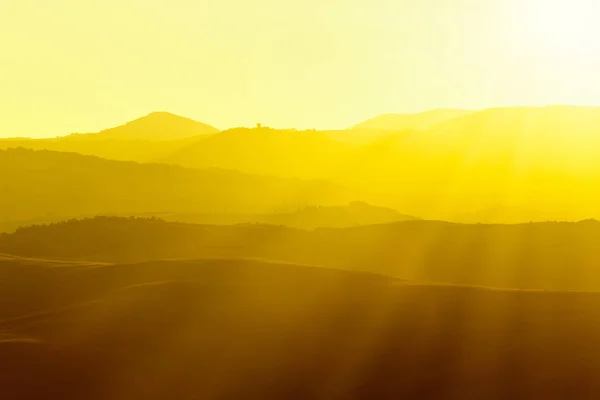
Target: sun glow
568, 25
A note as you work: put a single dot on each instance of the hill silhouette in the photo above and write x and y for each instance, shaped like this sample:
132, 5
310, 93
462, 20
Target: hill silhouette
556, 256
146, 139
253, 329
523, 163
521, 158
72, 185
145, 151
155, 126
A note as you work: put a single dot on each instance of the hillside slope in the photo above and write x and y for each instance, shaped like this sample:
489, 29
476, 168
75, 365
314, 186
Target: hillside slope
232, 329
73, 185
557, 256
145, 139
265, 151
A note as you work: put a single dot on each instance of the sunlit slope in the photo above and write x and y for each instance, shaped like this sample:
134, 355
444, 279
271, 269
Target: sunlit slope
560, 138
232, 329
36, 184
560, 256
383, 125
543, 158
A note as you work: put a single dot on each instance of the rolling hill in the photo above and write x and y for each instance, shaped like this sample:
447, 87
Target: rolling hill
146, 139
252, 329
555, 256
523, 163
75, 185
156, 126
519, 158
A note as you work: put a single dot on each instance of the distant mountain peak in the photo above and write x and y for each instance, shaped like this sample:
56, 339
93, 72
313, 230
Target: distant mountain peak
156, 126
162, 115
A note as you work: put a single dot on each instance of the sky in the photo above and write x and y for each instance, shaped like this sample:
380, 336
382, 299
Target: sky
80, 66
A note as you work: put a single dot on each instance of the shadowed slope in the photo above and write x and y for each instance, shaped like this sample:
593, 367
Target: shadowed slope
559, 256
232, 329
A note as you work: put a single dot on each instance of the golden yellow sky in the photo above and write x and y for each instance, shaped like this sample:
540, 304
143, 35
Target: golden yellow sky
80, 65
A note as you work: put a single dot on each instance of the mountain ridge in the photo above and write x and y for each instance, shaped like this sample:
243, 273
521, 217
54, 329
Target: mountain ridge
155, 126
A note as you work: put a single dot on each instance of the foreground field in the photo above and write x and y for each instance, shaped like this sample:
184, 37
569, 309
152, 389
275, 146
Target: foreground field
244, 328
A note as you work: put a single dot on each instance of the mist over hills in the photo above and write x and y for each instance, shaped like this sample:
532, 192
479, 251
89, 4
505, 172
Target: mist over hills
525, 163
557, 137
296, 232
265, 150
305, 274
518, 158
72, 184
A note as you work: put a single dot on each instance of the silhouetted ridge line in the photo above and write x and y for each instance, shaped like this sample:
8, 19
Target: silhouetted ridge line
156, 126
552, 256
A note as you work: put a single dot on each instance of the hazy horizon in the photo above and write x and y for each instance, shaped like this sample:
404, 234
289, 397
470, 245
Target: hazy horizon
266, 123
81, 67
298, 200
